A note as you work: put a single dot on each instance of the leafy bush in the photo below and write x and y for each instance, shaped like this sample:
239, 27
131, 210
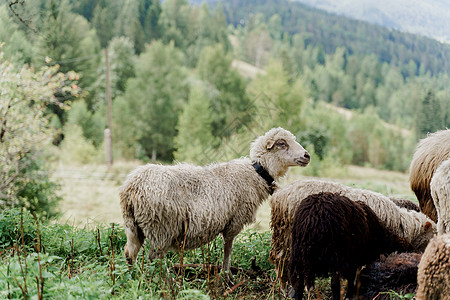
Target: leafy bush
25, 99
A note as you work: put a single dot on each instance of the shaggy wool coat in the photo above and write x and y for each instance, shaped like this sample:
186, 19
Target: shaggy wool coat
396, 272
185, 206
429, 154
332, 234
440, 192
433, 276
415, 227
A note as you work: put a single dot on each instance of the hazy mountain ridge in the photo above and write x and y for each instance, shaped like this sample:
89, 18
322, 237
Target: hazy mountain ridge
429, 18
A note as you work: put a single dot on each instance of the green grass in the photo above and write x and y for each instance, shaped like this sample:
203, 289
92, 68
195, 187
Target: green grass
81, 255
40, 260
60, 261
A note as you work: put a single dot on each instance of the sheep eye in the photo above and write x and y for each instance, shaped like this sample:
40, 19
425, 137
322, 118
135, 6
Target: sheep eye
281, 144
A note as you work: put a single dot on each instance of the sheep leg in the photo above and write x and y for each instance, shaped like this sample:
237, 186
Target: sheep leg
336, 286
227, 249
299, 288
350, 284
230, 232
135, 240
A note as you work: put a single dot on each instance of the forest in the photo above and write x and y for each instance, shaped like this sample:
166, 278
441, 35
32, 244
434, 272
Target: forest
352, 93
188, 82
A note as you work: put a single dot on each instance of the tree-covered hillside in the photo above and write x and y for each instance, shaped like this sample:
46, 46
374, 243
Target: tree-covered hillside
428, 18
331, 31
176, 93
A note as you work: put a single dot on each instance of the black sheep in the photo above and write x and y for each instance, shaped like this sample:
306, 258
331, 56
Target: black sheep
396, 272
333, 234
406, 203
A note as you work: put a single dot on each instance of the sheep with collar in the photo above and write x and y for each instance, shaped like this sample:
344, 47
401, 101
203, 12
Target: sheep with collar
186, 206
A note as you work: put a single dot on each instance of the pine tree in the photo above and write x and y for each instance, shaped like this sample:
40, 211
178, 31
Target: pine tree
428, 116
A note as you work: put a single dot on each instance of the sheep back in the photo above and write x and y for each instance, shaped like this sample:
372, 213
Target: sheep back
440, 192
396, 272
429, 154
433, 276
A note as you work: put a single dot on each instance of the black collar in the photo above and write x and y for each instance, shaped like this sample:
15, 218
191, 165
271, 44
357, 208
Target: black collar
266, 176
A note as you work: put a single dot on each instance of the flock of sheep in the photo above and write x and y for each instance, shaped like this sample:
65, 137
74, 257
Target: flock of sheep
318, 227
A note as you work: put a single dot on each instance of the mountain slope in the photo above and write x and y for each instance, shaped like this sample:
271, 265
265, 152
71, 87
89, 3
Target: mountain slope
429, 18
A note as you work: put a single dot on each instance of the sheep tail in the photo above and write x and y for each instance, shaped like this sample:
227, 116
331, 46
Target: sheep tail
135, 235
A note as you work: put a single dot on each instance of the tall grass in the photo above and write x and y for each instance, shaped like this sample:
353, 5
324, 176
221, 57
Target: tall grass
45, 261
40, 260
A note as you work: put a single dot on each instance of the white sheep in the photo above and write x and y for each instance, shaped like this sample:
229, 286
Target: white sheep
433, 275
440, 192
428, 156
186, 206
413, 226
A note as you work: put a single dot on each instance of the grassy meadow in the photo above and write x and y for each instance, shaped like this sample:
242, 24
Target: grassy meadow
81, 255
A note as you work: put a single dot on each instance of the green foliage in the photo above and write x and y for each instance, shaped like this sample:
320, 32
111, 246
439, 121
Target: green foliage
12, 233
287, 98
195, 128
17, 47
92, 125
75, 148
66, 40
174, 22
428, 116
393, 295
38, 193
226, 88
305, 54
153, 101
252, 245
24, 132
103, 22
318, 27
84, 263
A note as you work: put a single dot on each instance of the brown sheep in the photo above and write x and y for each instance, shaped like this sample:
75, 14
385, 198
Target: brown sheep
333, 234
415, 227
430, 153
396, 272
406, 203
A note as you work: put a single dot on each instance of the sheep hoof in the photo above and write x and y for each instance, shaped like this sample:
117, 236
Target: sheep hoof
228, 280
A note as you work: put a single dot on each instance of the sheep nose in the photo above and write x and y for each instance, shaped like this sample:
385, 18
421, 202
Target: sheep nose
307, 156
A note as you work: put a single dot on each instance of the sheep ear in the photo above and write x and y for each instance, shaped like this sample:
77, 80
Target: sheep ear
270, 144
427, 225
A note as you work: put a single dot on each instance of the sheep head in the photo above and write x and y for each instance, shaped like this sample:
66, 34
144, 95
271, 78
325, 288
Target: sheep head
428, 231
277, 150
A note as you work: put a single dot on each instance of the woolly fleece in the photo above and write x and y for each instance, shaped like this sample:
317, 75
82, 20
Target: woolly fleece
433, 276
430, 153
440, 192
185, 206
413, 226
